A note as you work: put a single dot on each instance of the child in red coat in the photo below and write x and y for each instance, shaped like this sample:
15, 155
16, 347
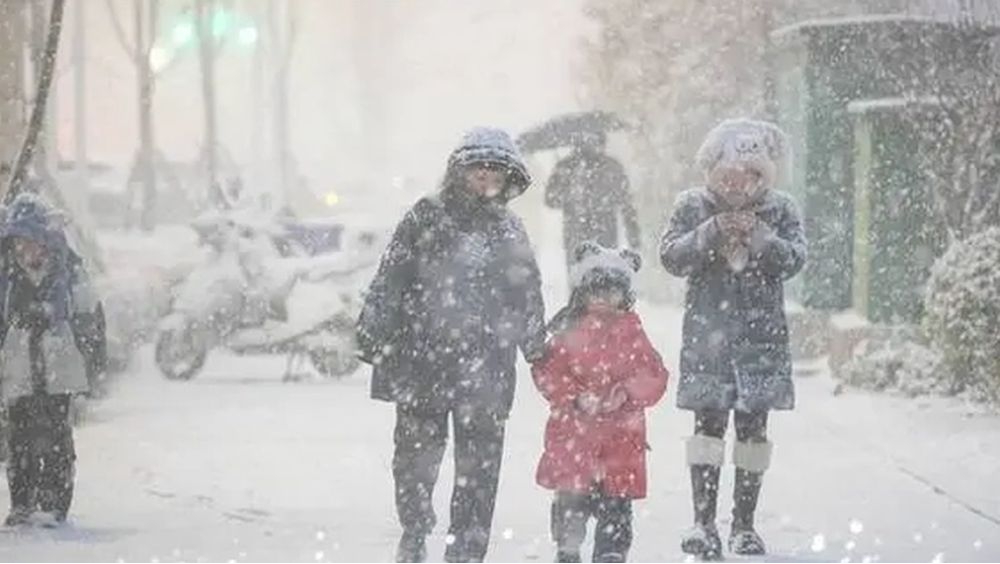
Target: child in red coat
599, 373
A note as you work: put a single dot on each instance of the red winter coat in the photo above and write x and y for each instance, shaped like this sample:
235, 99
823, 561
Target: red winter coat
602, 350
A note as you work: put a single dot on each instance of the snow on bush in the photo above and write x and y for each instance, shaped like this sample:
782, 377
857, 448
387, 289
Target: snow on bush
963, 313
897, 363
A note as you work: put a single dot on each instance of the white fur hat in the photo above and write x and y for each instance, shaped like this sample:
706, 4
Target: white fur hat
758, 144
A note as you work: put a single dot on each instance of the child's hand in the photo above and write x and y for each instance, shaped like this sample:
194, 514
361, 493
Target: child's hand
588, 403
737, 225
615, 400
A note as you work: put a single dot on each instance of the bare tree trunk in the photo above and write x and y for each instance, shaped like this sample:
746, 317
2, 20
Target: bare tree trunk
80, 98
373, 44
281, 129
37, 121
47, 137
144, 13
206, 55
766, 18
282, 20
257, 112
12, 116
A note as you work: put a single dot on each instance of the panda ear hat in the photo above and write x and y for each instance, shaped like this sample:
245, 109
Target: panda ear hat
594, 262
586, 249
633, 258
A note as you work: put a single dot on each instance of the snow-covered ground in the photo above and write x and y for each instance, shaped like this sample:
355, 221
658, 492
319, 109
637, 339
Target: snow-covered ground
236, 465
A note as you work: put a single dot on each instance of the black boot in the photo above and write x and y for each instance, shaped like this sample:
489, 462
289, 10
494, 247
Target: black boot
703, 539
412, 548
743, 539
18, 516
566, 556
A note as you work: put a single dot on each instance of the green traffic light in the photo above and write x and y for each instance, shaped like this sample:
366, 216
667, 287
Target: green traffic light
222, 21
183, 33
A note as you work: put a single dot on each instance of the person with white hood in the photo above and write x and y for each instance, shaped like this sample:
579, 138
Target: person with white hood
736, 240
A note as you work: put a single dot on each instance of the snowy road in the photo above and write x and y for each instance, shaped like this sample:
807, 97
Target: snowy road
236, 465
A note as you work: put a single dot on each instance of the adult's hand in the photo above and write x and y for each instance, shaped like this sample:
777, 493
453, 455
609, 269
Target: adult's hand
737, 225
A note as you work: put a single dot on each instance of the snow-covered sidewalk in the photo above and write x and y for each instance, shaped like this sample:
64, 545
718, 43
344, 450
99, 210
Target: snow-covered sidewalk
236, 465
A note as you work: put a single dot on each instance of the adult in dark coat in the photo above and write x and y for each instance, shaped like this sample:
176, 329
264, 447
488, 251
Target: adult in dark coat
457, 293
736, 241
52, 346
592, 190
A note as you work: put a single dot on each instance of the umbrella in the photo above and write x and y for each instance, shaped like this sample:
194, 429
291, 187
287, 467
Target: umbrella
567, 129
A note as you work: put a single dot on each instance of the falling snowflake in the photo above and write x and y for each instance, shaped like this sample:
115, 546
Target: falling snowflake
320, 536
978, 545
918, 537
508, 534
857, 526
449, 540
939, 557
850, 545
319, 555
819, 543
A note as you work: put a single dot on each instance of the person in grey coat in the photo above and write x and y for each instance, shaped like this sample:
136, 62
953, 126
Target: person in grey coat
736, 240
592, 190
457, 293
52, 346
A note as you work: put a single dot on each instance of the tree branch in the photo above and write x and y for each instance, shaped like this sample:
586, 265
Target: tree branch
116, 26
37, 120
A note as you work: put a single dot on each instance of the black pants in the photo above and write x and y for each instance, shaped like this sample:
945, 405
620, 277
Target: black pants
42, 462
612, 533
420, 440
750, 427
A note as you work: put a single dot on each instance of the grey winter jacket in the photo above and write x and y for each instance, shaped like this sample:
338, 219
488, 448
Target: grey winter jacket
457, 292
52, 332
735, 352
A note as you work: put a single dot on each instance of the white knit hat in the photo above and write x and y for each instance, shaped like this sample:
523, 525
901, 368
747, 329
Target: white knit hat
760, 145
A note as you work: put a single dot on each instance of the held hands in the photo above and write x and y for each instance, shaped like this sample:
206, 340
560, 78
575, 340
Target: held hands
588, 403
738, 230
615, 400
591, 404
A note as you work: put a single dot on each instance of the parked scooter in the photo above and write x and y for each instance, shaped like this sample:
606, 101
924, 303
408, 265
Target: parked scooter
256, 295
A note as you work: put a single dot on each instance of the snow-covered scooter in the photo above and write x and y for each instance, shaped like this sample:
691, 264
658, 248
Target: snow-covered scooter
250, 299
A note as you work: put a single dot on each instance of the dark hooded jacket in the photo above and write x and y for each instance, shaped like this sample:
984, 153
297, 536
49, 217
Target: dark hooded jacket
51, 328
591, 188
456, 294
